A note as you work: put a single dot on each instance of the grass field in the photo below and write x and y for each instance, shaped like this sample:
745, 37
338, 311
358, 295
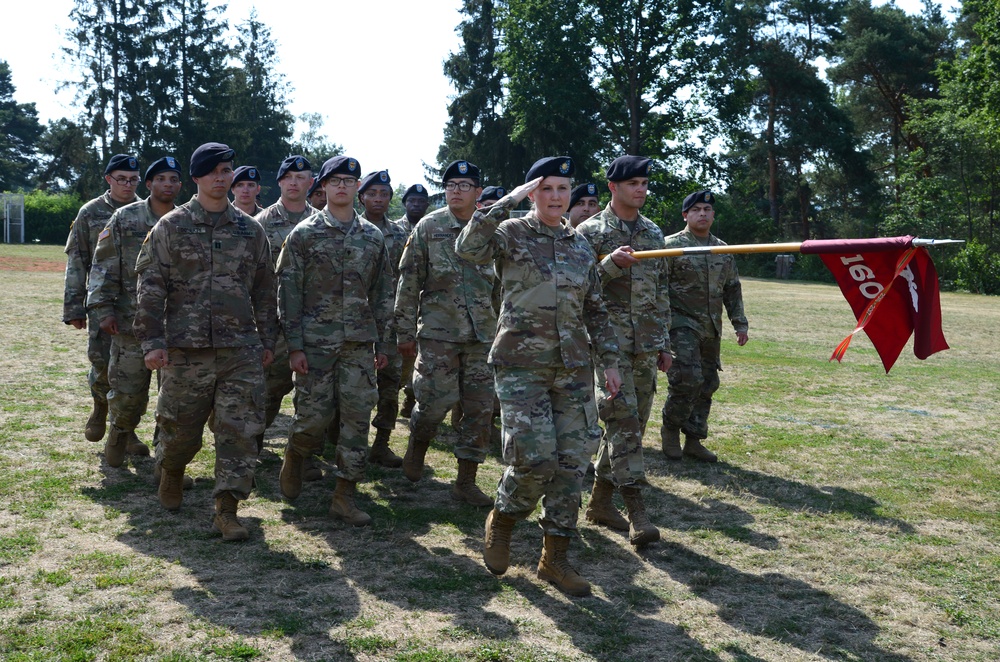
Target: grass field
854, 517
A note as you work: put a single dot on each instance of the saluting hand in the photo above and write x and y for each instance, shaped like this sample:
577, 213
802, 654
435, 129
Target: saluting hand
522, 191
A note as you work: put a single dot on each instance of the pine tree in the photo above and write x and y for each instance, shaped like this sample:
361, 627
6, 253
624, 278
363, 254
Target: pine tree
19, 132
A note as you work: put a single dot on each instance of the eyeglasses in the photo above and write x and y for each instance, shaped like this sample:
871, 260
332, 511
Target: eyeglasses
126, 181
464, 187
346, 181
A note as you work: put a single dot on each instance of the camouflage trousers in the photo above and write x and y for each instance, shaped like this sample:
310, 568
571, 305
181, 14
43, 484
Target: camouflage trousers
387, 382
549, 434
339, 390
445, 374
228, 382
406, 378
693, 378
278, 377
619, 457
99, 355
129, 379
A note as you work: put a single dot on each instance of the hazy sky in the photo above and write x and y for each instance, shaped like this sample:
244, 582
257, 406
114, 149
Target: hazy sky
389, 106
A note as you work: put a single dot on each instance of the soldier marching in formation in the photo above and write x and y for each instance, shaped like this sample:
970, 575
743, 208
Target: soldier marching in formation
234, 306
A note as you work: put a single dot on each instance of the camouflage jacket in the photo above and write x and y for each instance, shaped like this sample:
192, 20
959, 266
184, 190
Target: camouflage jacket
551, 292
335, 286
277, 225
637, 297
701, 284
440, 295
395, 236
80, 244
113, 280
203, 285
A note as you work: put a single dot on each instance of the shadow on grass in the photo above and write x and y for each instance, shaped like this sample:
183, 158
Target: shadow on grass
245, 589
774, 606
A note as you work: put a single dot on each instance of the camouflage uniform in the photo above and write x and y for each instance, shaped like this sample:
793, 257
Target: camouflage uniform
278, 223
388, 378
639, 307
335, 303
699, 287
406, 372
80, 245
112, 292
206, 295
542, 360
443, 302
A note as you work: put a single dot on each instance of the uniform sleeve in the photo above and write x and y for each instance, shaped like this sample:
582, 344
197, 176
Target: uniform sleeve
77, 268
153, 269
595, 315
264, 296
382, 297
412, 276
290, 274
732, 299
479, 242
663, 301
104, 284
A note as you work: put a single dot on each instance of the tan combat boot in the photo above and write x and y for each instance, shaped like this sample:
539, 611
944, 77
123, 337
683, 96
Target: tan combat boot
225, 521
465, 488
114, 447
290, 477
554, 567
380, 452
135, 447
171, 486
670, 443
601, 510
343, 506
311, 471
413, 461
187, 483
693, 448
496, 550
97, 424
640, 532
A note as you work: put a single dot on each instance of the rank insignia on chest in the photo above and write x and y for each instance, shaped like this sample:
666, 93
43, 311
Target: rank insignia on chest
217, 245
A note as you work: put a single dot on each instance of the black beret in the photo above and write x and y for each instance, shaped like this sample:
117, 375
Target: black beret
165, 164
340, 165
122, 162
246, 173
206, 157
491, 193
550, 166
627, 167
294, 163
696, 197
588, 190
463, 169
377, 177
417, 189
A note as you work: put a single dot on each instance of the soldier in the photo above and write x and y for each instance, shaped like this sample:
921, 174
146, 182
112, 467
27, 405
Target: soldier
206, 319
112, 300
415, 201
335, 303
294, 179
444, 316
375, 192
700, 285
316, 195
122, 176
636, 295
552, 310
583, 203
246, 188
489, 196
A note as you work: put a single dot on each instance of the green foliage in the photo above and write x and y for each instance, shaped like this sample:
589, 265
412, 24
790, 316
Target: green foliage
19, 131
48, 216
978, 269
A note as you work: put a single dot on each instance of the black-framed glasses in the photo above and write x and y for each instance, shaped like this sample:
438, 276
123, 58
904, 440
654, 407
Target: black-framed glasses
346, 181
127, 181
464, 187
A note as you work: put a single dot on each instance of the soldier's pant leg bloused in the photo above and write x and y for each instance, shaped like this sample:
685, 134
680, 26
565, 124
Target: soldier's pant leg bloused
279, 381
693, 378
228, 381
129, 380
387, 382
99, 355
619, 456
549, 423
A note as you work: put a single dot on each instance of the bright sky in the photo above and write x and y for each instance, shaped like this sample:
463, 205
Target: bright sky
390, 107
